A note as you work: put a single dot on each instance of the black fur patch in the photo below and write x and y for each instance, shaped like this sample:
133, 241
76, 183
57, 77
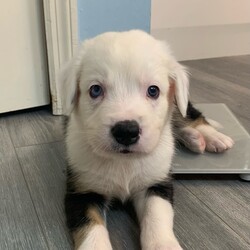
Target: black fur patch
192, 112
77, 205
163, 189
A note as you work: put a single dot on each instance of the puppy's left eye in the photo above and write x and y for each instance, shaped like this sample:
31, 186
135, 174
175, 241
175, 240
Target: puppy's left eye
95, 91
153, 92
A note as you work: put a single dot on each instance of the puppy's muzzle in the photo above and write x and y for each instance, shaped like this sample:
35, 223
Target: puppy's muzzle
126, 132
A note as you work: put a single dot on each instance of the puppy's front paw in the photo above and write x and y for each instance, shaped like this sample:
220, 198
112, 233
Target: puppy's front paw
168, 246
95, 245
192, 139
215, 141
218, 142
170, 243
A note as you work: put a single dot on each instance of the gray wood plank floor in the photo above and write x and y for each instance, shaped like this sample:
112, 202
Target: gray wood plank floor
19, 225
212, 212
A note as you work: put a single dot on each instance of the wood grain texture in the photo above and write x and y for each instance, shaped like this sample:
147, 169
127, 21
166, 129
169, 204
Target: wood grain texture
242, 59
229, 199
124, 232
226, 68
33, 127
44, 169
197, 227
19, 226
207, 88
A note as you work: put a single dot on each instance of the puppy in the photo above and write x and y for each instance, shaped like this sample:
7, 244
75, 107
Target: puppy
125, 96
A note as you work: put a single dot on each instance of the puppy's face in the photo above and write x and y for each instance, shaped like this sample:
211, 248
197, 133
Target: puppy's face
123, 92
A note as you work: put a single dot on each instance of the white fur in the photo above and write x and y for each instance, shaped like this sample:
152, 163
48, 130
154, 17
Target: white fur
69, 78
156, 220
215, 141
96, 239
180, 76
192, 139
125, 64
205, 137
121, 175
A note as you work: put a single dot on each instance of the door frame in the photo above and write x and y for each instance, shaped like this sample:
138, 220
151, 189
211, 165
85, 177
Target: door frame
62, 41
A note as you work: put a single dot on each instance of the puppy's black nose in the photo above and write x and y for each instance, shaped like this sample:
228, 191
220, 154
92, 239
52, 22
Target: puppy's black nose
126, 132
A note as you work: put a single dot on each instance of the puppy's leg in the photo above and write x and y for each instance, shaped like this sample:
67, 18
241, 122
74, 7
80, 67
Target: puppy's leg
196, 133
215, 141
85, 219
155, 213
192, 139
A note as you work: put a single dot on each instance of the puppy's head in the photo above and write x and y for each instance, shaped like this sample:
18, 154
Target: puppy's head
120, 89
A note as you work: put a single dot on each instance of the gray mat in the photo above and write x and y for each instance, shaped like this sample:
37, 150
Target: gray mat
235, 160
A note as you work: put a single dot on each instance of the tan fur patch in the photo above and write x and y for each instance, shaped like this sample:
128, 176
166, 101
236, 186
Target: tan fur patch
95, 219
198, 121
171, 91
95, 216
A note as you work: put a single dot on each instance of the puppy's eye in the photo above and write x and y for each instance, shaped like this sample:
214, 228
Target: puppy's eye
153, 92
95, 91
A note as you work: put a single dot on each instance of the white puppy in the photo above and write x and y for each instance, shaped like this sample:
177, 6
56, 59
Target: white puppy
120, 93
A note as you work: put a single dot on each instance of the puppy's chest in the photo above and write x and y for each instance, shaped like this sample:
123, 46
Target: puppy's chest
121, 182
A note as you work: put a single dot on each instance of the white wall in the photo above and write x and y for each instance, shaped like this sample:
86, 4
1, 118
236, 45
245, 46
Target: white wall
202, 29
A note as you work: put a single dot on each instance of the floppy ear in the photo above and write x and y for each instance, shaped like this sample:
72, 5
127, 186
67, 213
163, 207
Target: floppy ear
69, 79
179, 77
67, 87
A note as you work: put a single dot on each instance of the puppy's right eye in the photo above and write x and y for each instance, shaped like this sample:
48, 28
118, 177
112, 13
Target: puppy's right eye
95, 91
153, 92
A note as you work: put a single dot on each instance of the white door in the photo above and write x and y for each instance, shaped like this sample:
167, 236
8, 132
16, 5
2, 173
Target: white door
23, 63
